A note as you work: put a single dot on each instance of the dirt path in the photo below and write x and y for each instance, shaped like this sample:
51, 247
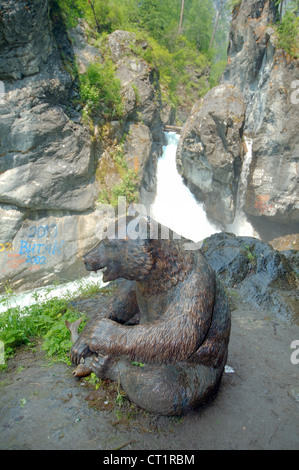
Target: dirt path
44, 407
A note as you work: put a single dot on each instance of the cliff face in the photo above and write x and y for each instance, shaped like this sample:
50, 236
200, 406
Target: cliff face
266, 77
24, 38
141, 124
48, 157
210, 150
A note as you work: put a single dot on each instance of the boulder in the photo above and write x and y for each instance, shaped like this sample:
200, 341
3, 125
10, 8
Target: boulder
210, 151
262, 275
46, 247
46, 158
268, 78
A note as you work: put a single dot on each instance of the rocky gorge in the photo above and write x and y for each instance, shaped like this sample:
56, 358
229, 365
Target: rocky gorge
57, 164
49, 156
255, 101
256, 98
59, 167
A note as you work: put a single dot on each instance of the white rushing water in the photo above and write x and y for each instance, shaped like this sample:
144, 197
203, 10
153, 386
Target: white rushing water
241, 226
25, 299
174, 205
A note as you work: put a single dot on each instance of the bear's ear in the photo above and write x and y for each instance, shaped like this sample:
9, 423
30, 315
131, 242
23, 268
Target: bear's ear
137, 228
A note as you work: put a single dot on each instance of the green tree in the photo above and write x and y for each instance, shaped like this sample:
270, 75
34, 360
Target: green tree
159, 17
288, 34
151, 19
198, 25
182, 16
288, 29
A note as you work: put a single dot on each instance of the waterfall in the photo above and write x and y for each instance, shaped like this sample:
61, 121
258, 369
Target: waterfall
241, 226
174, 205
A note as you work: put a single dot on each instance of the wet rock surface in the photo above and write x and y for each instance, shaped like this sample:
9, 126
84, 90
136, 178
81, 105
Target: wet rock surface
267, 77
49, 156
210, 151
263, 276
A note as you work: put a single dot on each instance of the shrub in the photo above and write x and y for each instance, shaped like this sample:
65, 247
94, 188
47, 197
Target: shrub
288, 34
44, 319
100, 91
128, 188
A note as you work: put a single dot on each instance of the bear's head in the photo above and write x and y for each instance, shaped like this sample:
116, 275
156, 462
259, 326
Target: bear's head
142, 250
122, 255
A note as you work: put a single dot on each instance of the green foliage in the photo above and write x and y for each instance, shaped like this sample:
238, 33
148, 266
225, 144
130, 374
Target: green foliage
129, 184
127, 187
159, 57
93, 380
100, 91
178, 56
198, 26
103, 15
216, 71
159, 18
288, 34
251, 256
45, 319
234, 3
69, 11
175, 67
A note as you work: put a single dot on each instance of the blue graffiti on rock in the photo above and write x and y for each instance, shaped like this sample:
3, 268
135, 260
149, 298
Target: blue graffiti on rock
38, 252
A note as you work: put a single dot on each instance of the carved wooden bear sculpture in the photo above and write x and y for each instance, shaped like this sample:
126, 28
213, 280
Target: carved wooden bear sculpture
181, 330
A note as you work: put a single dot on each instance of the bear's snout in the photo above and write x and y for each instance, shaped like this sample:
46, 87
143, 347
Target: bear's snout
95, 259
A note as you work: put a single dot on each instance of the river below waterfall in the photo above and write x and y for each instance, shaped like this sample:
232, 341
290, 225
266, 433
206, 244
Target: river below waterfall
41, 294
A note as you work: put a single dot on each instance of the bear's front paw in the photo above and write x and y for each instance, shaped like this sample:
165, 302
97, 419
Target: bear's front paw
100, 337
79, 349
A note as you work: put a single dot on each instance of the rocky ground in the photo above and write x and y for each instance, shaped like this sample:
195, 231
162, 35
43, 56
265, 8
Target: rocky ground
44, 407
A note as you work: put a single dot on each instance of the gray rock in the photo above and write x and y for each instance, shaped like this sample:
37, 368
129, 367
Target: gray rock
248, 45
47, 164
11, 220
264, 276
25, 39
210, 150
119, 44
47, 246
139, 91
48, 189
46, 158
85, 53
266, 76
